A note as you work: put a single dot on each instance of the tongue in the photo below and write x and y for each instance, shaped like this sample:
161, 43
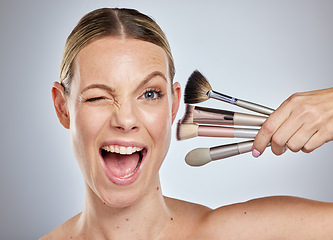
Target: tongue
120, 165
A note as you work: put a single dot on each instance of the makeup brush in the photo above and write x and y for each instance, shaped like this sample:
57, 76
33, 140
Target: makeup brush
190, 130
198, 89
201, 156
196, 114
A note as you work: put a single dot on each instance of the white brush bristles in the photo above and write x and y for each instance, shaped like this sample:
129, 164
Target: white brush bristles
186, 131
198, 157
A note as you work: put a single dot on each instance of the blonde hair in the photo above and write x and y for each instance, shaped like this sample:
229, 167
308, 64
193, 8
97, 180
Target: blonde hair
127, 23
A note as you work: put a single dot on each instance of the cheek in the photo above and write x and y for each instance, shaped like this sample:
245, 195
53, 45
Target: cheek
158, 124
85, 126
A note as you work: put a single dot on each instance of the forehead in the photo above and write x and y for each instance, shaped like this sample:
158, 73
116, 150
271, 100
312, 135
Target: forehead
122, 57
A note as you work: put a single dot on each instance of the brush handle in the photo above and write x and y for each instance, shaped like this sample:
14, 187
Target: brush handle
229, 150
241, 103
201, 156
215, 131
244, 119
245, 133
254, 107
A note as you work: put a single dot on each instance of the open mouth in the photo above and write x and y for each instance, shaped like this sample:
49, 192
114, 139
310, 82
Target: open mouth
122, 162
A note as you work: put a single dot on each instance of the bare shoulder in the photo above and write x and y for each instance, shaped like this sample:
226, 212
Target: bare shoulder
188, 218
187, 213
63, 231
185, 208
271, 218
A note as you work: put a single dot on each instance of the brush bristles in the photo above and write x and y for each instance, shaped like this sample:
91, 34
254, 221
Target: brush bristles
186, 131
198, 157
188, 115
196, 88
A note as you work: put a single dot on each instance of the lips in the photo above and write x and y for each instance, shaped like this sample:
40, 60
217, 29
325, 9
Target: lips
122, 164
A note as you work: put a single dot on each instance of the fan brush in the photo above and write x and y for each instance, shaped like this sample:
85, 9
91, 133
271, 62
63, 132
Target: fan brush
198, 90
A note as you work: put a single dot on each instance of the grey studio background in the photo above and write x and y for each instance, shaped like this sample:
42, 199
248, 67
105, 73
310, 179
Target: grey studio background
262, 51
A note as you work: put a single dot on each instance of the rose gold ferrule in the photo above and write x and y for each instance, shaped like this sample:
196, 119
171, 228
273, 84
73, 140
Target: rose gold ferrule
223, 117
212, 116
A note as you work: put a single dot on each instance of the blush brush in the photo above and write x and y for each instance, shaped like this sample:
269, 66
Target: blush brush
198, 90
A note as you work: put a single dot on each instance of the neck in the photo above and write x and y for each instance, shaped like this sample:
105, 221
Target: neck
145, 219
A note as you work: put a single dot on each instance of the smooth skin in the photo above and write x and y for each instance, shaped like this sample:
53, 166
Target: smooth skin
132, 104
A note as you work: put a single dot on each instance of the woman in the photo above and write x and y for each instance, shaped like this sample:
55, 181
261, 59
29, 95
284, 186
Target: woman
117, 98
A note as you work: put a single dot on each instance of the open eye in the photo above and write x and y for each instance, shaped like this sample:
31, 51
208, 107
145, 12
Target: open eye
152, 94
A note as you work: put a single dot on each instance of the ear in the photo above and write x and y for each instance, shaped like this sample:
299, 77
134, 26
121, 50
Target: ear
176, 99
60, 104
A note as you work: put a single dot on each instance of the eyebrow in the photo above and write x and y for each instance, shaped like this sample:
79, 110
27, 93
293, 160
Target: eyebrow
101, 86
151, 76
111, 90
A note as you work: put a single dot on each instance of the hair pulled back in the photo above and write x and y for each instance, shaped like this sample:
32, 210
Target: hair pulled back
117, 22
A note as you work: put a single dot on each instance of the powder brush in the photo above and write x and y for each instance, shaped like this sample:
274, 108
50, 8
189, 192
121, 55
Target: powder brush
201, 156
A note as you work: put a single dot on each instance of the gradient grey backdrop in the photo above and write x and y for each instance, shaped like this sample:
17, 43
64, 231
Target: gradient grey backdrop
261, 51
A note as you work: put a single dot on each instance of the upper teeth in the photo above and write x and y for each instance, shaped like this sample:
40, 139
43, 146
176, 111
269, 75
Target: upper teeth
121, 149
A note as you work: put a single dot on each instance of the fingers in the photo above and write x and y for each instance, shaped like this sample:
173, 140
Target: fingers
293, 133
268, 129
318, 139
314, 142
301, 137
302, 122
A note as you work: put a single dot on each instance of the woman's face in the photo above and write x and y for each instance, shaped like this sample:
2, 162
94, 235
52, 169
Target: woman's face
121, 109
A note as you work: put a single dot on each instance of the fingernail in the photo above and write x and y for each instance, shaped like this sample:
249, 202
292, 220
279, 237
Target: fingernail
255, 153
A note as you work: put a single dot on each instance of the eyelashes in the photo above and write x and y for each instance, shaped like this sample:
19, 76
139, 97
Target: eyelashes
152, 94
94, 99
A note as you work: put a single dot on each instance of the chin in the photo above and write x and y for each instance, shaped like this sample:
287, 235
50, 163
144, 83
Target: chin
121, 197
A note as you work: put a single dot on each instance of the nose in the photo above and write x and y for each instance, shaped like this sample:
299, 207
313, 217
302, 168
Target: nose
125, 118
